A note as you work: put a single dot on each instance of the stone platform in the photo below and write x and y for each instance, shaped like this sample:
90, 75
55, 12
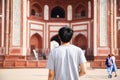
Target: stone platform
16, 61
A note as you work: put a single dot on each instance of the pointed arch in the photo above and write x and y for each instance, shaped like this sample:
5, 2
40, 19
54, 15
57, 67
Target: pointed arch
46, 12
81, 11
81, 41
57, 12
69, 12
35, 42
36, 10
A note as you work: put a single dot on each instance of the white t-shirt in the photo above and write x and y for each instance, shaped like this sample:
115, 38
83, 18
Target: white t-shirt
65, 61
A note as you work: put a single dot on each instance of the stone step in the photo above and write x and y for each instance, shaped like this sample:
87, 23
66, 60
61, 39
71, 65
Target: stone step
101, 64
99, 58
24, 64
14, 57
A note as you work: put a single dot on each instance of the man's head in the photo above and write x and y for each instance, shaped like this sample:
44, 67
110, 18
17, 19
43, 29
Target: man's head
65, 33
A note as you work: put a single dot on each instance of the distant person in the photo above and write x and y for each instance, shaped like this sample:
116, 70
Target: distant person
35, 54
109, 65
114, 69
44, 56
66, 62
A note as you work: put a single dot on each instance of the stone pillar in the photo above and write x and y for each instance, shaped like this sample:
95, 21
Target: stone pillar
16, 29
16, 25
7, 26
112, 25
95, 28
25, 26
115, 26
28, 8
103, 28
3, 22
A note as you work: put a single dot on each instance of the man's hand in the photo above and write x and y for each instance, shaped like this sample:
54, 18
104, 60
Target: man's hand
51, 75
83, 69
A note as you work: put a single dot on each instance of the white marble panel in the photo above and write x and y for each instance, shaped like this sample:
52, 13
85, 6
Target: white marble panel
80, 27
80, 23
46, 12
36, 26
118, 25
69, 12
3, 25
16, 30
55, 28
89, 9
103, 23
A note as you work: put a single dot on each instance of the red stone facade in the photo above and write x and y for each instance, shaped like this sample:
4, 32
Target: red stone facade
33, 24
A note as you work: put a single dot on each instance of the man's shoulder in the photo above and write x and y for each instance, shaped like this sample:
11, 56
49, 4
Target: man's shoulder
70, 46
76, 47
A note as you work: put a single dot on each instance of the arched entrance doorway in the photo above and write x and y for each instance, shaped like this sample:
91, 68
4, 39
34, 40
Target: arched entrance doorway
57, 12
81, 41
35, 43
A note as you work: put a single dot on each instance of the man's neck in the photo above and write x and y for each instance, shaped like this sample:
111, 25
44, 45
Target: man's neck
65, 44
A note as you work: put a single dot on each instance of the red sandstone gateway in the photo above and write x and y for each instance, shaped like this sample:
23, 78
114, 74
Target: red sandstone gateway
26, 25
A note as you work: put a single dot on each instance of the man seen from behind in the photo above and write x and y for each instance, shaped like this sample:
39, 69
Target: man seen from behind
67, 61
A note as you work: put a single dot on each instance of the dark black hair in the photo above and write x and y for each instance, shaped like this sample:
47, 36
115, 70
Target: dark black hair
65, 33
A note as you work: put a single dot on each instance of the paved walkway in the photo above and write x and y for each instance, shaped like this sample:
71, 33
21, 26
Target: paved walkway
41, 74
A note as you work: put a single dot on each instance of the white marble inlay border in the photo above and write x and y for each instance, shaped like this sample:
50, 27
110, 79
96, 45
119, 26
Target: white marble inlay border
3, 21
34, 32
46, 12
89, 9
103, 23
118, 25
95, 28
69, 12
16, 30
55, 28
35, 26
80, 27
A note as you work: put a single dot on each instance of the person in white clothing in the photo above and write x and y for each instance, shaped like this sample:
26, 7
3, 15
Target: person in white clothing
114, 69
